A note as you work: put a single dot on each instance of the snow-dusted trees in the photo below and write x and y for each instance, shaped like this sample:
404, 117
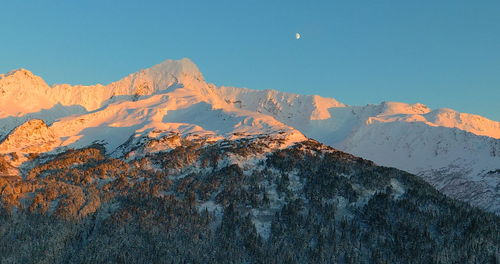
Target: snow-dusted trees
298, 205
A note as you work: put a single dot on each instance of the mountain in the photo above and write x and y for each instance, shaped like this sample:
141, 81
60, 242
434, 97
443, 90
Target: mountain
34, 136
457, 153
248, 200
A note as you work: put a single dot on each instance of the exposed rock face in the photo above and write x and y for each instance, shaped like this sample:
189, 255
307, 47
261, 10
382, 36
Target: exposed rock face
34, 136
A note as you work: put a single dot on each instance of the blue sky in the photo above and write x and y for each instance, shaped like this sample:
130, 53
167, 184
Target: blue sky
440, 53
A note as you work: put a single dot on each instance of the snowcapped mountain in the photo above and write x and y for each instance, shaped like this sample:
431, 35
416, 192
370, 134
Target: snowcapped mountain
456, 152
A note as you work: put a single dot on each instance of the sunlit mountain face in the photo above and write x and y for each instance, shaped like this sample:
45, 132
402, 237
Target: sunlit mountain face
164, 165
457, 153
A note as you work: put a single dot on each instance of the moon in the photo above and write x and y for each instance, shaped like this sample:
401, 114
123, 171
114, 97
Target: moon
297, 35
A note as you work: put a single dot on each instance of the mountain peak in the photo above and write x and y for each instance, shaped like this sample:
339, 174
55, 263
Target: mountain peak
177, 68
22, 76
20, 72
160, 77
390, 108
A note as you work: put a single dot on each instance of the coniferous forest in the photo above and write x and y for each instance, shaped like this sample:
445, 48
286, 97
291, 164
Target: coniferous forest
233, 202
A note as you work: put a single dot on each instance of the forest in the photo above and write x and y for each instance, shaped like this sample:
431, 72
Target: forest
233, 202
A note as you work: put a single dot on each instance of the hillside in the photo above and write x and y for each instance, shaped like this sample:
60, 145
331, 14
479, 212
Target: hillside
252, 200
456, 152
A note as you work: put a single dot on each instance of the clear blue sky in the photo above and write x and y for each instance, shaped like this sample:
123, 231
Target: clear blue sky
442, 53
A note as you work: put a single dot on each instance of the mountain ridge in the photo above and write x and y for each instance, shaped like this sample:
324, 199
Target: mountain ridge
174, 97
167, 74
249, 200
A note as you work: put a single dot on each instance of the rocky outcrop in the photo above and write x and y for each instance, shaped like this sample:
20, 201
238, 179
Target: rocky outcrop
34, 136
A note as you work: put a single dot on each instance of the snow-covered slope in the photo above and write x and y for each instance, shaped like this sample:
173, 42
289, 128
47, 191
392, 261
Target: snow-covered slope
22, 92
458, 153
169, 97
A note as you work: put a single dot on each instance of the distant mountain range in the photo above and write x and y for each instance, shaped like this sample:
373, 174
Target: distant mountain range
458, 153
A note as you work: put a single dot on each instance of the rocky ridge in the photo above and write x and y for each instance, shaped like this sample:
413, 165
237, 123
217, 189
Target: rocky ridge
456, 152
